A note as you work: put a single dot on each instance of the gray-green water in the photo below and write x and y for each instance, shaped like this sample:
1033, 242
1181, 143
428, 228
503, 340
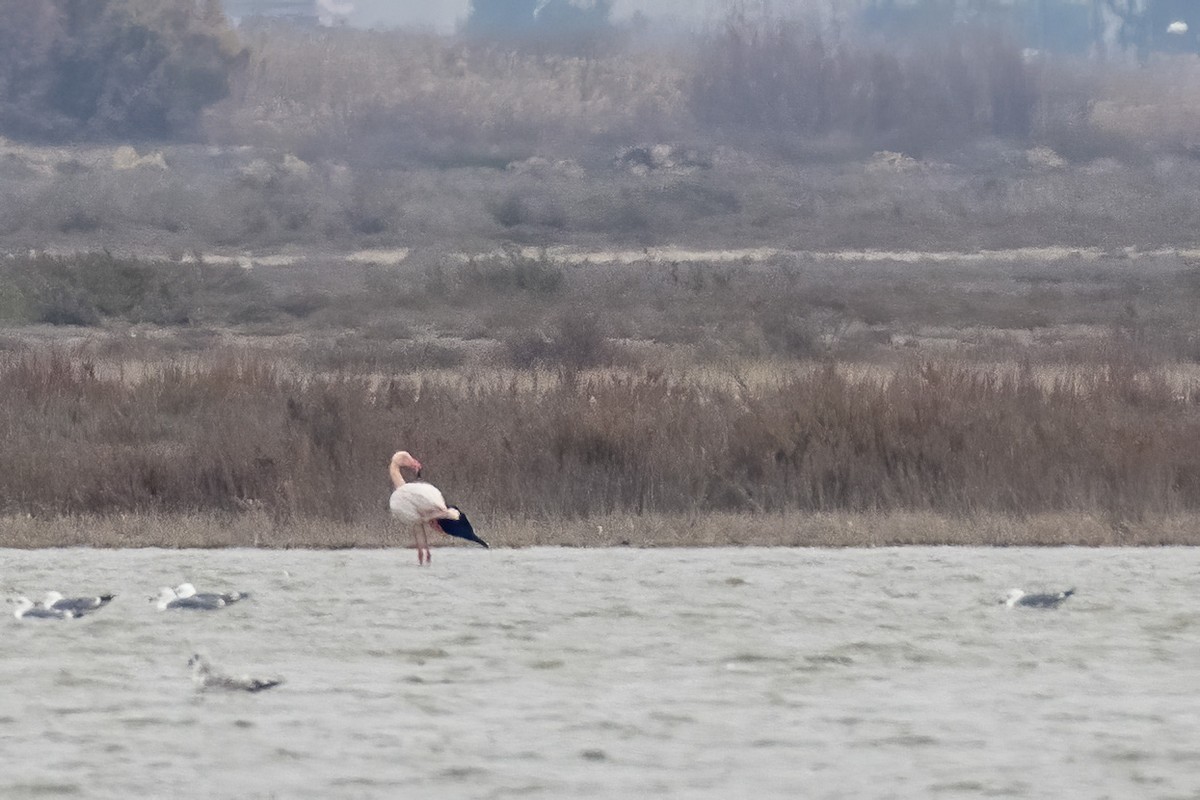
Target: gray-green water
551, 673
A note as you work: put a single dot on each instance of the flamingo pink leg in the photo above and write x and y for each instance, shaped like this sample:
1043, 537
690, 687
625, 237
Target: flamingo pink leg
422, 544
417, 544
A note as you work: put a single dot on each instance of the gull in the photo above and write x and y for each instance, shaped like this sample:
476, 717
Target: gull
184, 596
26, 608
186, 590
79, 605
1017, 597
205, 677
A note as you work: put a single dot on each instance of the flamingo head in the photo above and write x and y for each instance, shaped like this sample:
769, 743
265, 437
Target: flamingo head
403, 459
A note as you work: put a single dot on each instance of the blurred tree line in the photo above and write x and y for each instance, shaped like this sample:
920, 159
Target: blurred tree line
79, 69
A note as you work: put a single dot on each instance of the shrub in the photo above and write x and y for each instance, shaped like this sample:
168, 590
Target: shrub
575, 340
514, 272
111, 67
90, 288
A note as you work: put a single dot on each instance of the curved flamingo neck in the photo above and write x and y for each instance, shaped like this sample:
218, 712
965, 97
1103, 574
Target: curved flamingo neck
394, 471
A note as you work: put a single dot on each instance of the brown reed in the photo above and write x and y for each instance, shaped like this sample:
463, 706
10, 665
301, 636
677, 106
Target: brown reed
232, 435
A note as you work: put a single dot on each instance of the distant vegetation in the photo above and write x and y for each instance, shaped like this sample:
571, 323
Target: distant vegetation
543, 391
531, 311
759, 129
111, 68
640, 381
98, 288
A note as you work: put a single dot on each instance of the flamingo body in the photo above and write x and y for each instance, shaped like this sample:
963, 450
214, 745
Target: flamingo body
418, 502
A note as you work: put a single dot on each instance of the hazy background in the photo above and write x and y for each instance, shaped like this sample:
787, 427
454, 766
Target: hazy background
445, 15
980, 241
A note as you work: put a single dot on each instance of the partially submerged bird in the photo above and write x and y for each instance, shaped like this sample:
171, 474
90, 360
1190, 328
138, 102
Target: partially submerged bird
27, 609
422, 506
184, 596
79, 605
205, 677
186, 590
1018, 597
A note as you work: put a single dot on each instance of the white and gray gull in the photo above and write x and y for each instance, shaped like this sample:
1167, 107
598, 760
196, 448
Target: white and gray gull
206, 677
185, 596
79, 605
27, 609
1018, 597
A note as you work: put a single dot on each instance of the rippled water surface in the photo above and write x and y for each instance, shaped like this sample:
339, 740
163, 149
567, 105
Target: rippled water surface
551, 673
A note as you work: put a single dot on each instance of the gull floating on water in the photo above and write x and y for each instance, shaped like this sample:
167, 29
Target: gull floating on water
1017, 597
186, 590
26, 608
185, 596
78, 605
206, 677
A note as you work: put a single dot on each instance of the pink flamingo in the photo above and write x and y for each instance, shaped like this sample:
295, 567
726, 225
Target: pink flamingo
422, 506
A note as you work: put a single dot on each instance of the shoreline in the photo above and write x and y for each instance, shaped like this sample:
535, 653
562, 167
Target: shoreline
619, 253
824, 530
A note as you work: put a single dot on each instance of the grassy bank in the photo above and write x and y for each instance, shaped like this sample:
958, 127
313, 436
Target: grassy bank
654, 530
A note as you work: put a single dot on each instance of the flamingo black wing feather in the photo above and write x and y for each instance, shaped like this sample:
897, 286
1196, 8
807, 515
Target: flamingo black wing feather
460, 528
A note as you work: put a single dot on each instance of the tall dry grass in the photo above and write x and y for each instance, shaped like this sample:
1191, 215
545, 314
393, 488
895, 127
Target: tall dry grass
237, 434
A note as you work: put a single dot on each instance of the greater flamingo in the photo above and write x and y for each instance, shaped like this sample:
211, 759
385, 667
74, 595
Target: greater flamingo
422, 506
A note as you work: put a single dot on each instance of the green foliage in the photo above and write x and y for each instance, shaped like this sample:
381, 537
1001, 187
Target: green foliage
100, 68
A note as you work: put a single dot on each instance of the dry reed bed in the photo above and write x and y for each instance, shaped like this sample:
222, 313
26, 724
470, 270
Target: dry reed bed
237, 440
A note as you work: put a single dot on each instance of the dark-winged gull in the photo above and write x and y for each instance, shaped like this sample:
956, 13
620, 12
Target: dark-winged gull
186, 590
27, 609
55, 601
205, 677
1017, 597
184, 596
